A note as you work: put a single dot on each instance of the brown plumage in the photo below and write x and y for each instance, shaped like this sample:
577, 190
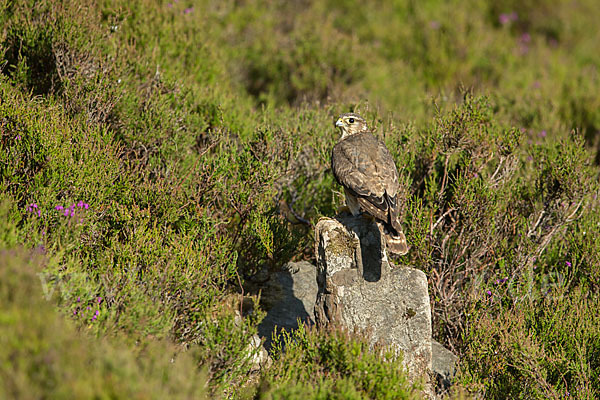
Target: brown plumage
367, 171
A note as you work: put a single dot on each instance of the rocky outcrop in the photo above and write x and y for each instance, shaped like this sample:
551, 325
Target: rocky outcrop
359, 289
443, 364
259, 357
289, 296
355, 286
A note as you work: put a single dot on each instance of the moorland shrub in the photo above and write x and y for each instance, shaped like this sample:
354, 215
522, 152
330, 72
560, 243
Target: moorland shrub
158, 155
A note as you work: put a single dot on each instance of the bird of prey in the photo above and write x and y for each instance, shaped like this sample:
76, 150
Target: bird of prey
365, 168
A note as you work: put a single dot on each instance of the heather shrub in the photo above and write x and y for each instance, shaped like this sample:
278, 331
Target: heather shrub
111, 248
158, 155
44, 355
545, 346
486, 205
93, 198
333, 364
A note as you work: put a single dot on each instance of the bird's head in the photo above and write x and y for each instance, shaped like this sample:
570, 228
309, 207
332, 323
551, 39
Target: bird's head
351, 124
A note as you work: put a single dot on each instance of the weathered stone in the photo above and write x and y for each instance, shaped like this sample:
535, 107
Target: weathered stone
259, 356
360, 290
443, 364
288, 296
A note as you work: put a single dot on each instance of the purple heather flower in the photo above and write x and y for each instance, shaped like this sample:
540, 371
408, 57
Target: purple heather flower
97, 312
94, 318
33, 208
86, 206
59, 208
529, 158
78, 298
74, 312
568, 264
434, 25
66, 212
18, 137
526, 38
72, 213
80, 204
88, 308
543, 133
489, 293
504, 19
99, 300
170, 5
188, 10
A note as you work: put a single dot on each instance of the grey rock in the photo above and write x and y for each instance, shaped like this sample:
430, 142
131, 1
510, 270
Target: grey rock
258, 355
359, 289
443, 364
289, 296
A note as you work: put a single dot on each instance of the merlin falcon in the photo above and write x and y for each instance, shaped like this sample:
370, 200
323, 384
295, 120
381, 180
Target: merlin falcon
366, 169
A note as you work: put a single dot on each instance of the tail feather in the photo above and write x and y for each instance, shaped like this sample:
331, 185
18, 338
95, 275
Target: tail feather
394, 239
396, 243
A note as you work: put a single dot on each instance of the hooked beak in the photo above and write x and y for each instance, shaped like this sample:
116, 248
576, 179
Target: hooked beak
339, 122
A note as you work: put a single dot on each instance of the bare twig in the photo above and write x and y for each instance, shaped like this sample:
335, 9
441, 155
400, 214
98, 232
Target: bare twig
497, 168
537, 223
439, 220
445, 176
571, 217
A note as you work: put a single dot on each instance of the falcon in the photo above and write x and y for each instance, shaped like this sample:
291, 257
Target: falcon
366, 169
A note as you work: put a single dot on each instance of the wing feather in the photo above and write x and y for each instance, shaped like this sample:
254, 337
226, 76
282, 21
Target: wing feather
364, 166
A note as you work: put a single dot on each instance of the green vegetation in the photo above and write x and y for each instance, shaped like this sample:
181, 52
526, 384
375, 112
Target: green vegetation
43, 356
155, 155
331, 364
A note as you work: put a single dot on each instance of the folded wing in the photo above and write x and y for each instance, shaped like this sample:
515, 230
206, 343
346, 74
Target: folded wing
364, 166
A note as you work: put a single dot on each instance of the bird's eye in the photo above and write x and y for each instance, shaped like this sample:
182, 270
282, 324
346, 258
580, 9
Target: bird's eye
351, 120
